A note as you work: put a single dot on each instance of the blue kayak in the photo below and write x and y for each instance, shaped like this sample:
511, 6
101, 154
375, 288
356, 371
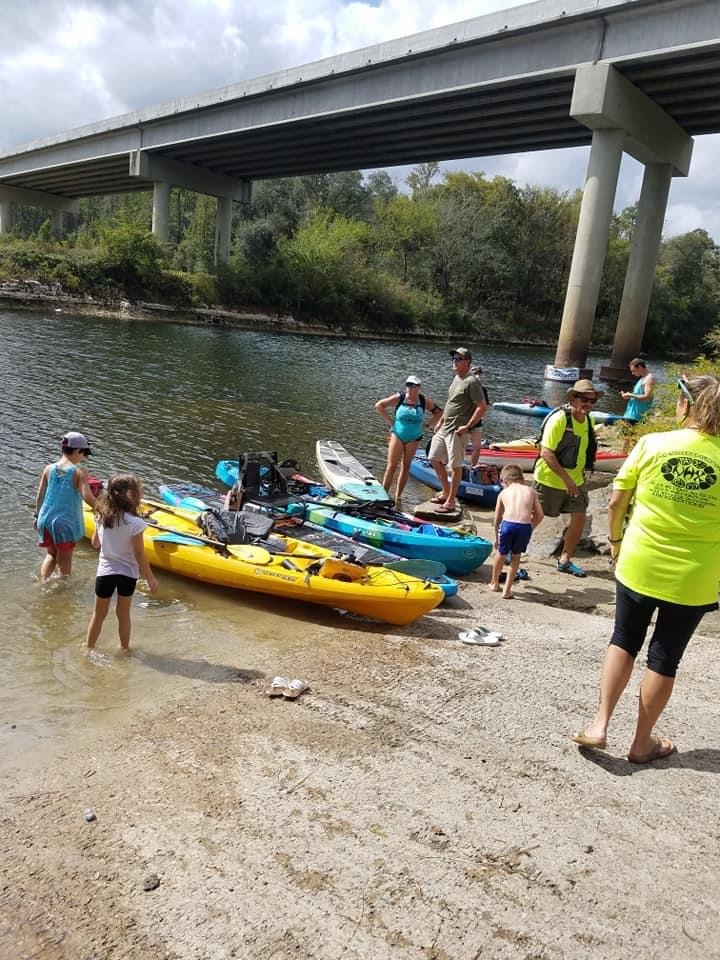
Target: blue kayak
542, 410
192, 496
461, 552
484, 494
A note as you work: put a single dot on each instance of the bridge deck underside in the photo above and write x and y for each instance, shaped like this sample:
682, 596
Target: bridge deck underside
512, 117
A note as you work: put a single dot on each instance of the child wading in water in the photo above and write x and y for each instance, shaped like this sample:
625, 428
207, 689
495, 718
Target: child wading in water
517, 513
119, 535
58, 505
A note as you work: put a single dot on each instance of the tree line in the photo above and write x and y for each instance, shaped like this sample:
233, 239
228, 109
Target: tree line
458, 252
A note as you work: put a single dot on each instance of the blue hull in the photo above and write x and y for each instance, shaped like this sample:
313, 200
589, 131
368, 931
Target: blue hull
460, 552
484, 494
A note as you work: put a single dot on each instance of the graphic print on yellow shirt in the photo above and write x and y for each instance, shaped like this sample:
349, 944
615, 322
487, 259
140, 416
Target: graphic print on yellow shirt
671, 548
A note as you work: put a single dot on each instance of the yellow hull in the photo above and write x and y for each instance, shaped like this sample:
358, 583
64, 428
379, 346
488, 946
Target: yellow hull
382, 594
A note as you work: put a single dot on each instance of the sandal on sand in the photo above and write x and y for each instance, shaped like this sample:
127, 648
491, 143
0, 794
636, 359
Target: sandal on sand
584, 740
477, 639
277, 687
293, 689
571, 568
483, 631
661, 748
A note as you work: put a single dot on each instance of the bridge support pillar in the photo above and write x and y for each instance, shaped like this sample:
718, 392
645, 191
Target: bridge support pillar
223, 228
640, 276
6, 216
590, 248
161, 210
58, 223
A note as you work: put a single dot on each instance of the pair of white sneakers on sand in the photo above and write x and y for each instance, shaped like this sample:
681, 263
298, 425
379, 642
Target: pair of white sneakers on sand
481, 637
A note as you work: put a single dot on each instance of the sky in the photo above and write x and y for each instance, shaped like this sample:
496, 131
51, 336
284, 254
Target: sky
65, 63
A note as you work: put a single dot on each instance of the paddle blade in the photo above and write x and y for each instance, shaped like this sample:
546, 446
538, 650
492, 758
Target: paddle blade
250, 553
422, 569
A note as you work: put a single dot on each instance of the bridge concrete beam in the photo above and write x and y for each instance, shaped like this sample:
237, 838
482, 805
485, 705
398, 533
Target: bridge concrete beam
640, 276
621, 118
149, 166
590, 248
603, 99
223, 230
161, 210
6, 216
37, 198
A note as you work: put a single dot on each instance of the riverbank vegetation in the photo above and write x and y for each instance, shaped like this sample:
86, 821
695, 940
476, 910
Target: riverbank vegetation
456, 252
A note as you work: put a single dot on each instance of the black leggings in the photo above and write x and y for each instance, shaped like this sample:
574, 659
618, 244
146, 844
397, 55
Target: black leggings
675, 624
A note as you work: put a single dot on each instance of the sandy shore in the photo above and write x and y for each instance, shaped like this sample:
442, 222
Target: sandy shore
421, 801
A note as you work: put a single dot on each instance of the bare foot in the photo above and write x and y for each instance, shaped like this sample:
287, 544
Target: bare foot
508, 596
495, 587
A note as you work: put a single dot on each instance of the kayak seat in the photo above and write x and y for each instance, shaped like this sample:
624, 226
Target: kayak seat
234, 527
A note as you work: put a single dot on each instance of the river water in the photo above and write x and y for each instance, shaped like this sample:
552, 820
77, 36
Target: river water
166, 402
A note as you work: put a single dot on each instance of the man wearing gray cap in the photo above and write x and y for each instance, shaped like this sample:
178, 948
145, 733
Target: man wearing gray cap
464, 409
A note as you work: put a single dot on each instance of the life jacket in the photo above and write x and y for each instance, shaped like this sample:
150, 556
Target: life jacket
487, 473
567, 450
401, 401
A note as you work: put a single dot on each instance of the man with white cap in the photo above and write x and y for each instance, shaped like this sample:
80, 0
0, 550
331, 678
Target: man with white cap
58, 504
567, 449
465, 408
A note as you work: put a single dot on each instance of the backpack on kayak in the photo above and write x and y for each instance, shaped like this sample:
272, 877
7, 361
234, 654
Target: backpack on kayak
569, 447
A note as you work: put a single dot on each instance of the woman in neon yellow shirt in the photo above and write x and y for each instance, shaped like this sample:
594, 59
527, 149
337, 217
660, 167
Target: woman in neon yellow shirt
668, 560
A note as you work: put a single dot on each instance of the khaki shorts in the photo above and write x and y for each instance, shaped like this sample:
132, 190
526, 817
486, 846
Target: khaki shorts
448, 448
554, 501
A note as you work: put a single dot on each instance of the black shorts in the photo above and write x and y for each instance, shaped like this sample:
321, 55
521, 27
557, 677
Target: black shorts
674, 627
106, 585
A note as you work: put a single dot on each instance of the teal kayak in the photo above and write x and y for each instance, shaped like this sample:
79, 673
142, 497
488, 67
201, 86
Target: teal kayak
542, 410
461, 552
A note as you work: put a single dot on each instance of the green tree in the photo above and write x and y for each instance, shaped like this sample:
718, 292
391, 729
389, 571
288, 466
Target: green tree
405, 227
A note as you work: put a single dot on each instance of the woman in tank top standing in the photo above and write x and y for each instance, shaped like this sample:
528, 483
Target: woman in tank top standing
406, 429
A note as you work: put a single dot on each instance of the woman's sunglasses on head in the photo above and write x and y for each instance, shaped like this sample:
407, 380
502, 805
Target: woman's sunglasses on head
685, 390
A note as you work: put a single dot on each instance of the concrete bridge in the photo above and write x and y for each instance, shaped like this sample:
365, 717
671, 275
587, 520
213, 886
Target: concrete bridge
635, 76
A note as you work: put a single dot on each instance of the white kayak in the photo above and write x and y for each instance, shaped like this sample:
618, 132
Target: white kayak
344, 474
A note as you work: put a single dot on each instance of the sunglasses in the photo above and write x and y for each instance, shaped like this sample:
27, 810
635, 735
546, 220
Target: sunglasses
457, 359
683, 387
411, 385
591, 400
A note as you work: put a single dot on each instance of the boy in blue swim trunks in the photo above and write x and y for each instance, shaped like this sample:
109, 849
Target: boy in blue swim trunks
517, 513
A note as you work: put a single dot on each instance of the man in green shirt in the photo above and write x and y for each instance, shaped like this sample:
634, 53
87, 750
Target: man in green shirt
464, 409
559, 475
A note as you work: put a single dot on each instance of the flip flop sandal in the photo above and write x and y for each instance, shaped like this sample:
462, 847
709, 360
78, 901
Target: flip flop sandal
277, 687
662, 747
484, 632
444, 508
475, 639
437, 499
293, 689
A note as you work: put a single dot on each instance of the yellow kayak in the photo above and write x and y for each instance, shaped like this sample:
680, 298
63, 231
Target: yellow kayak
298, 570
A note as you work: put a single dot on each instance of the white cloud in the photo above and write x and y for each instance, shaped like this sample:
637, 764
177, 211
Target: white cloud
65, 63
